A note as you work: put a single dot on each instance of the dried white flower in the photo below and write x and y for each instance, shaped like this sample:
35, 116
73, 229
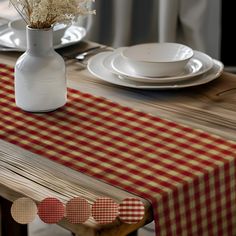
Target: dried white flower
45, 13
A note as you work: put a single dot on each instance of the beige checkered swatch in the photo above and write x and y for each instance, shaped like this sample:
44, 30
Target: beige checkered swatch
24, 210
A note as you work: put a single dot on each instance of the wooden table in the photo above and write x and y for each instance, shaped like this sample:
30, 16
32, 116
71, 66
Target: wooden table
47, 178
211, 107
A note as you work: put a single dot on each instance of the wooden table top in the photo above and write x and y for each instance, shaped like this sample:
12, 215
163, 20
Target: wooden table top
210, 107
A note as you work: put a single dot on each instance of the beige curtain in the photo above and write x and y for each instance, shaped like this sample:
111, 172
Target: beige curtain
126, 22
183, 21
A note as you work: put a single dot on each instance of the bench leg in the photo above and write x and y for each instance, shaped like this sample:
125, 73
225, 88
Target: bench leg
7, 225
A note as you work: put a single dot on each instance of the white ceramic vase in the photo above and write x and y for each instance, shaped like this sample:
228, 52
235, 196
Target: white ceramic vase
40, 78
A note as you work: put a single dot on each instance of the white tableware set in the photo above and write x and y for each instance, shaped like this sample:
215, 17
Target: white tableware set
155, 66
13, 35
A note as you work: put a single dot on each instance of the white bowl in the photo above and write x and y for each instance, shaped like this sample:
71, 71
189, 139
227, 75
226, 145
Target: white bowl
18, 27
58, 32
158, 59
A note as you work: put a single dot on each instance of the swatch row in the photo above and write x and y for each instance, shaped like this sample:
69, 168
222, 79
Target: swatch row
77, 210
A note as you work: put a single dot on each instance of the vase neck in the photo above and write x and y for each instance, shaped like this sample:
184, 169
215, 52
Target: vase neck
39, 41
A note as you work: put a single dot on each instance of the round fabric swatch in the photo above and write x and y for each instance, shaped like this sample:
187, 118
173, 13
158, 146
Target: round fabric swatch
131, 210
77, 210
51, 210
24, 210
104, 210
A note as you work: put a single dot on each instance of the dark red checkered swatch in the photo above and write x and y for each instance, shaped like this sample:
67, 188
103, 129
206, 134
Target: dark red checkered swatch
51, 210
78, 210
105, 210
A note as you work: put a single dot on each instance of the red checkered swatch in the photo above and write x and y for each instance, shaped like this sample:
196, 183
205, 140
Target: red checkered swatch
77, 210
24, 210
51, 210
131, 210
188, 175
105, 210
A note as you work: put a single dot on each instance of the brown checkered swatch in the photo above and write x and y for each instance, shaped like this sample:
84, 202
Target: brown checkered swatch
78, 210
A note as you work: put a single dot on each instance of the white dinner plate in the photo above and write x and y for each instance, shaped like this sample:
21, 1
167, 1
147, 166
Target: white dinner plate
72, 35
97, 68
200, 63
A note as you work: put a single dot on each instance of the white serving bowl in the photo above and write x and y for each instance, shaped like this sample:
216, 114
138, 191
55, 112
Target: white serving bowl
18, 28
158, 59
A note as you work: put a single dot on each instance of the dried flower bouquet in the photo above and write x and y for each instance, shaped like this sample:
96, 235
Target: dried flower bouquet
45, 13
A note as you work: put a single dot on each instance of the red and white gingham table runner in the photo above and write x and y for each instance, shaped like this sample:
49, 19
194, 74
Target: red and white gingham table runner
188, 175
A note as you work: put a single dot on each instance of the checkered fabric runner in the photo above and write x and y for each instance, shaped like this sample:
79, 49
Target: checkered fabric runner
188, 175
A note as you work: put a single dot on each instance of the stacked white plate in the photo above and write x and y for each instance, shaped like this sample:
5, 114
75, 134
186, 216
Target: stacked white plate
117, 68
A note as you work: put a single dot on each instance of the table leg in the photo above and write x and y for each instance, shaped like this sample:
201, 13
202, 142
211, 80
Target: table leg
135, 233
7, 225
